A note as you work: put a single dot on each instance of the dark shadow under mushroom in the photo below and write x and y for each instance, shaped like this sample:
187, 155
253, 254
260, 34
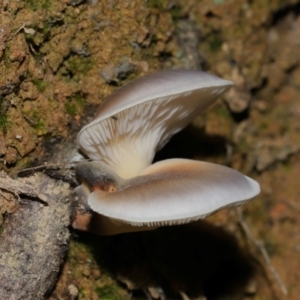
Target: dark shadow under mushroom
196, 258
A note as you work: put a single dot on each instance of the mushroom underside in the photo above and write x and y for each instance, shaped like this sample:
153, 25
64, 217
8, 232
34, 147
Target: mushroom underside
127, 138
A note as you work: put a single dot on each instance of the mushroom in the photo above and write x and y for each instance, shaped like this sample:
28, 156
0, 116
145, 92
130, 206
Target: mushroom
169, 192
138, 119
120, 184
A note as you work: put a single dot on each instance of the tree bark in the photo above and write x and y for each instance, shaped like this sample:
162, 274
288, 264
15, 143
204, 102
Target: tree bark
35, 238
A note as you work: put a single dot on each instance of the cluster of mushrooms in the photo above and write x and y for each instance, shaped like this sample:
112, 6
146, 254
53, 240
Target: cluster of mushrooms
121, 189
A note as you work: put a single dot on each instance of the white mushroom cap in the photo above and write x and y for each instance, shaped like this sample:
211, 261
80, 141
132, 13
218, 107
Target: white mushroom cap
139, 118
173, 191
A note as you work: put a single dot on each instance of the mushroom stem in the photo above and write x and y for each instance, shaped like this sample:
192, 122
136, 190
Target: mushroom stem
94, 176
132, 162
97, 177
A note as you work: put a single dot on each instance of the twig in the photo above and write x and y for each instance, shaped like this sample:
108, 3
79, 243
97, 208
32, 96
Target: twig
30, 31
56, 166
261, 248
293, 205
46, 166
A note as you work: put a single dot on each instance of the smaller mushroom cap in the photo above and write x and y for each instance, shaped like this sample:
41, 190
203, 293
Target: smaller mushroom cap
139, 118
173, 191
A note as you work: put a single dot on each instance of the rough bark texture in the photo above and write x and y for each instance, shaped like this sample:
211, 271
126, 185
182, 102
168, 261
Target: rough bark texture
34, 240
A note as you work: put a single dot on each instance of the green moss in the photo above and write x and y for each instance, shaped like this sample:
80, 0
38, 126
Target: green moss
242, 146
79, 65
24, 163
82, 252
38, 4
285, 126
3, 122
271, 248
270, 245
53, 103
46, 29
287, 166
40, 84
70, 108
36, 122
223, 112
6, 58
215, 42
154, 40
175, 12
41, 35
3, 117
74, 105
263, 125
108, 292
155, 3
40, 126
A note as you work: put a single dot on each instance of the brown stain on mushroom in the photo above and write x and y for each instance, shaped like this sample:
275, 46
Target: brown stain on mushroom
105, 186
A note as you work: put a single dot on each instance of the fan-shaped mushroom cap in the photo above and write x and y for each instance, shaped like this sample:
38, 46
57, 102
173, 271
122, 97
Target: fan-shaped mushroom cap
173, 191
139, 118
